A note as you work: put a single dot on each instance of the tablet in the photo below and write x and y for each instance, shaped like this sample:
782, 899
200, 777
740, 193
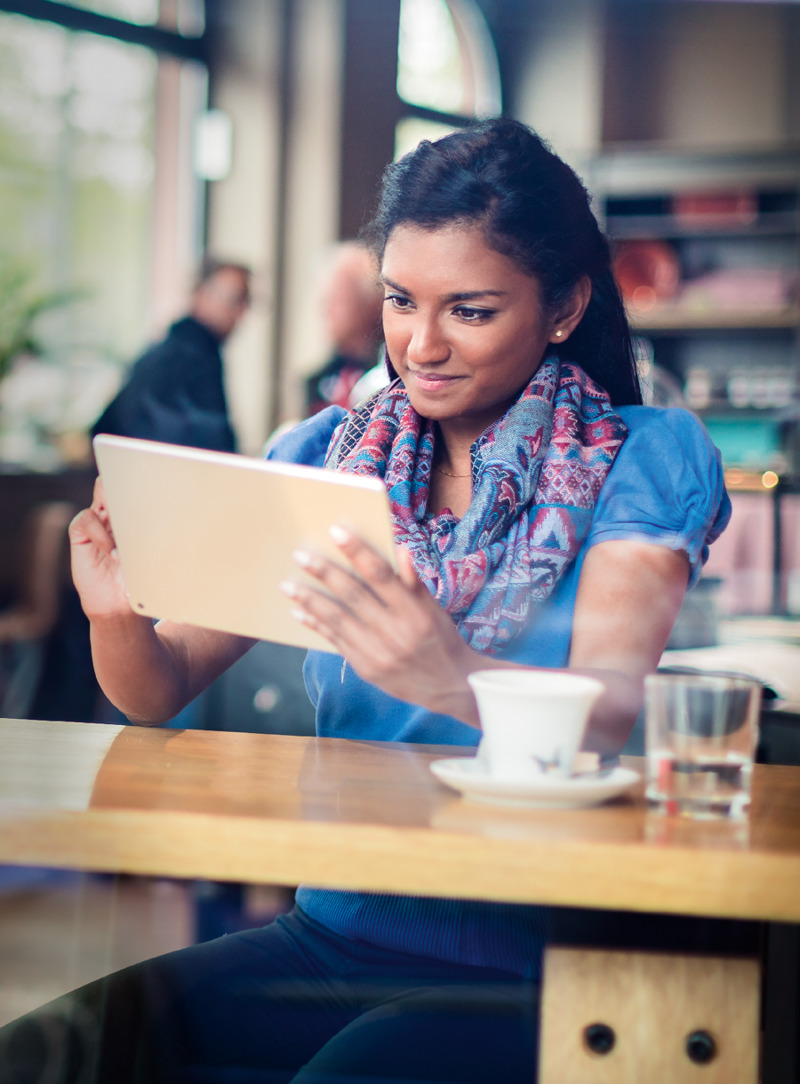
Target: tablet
207, 537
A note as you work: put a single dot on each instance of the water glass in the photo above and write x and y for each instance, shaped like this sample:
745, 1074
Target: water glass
701, 732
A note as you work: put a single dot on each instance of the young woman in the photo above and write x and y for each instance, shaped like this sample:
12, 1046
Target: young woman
543, 517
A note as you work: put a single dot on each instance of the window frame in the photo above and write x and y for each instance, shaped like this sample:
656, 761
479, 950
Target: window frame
460, 19
157, 38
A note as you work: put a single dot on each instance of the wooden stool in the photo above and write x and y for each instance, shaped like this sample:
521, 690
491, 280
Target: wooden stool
627, 1017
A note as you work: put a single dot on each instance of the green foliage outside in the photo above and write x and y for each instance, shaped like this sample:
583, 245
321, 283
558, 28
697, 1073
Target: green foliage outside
21, 305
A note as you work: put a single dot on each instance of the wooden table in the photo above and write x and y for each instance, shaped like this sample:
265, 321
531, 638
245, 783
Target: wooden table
284, 810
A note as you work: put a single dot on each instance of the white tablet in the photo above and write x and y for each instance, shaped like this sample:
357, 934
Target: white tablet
207, 537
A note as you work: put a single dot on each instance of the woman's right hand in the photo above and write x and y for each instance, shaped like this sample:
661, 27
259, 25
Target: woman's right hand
96, 569
148, 671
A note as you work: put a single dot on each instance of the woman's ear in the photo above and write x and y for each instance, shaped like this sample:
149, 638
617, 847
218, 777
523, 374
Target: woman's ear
572, 312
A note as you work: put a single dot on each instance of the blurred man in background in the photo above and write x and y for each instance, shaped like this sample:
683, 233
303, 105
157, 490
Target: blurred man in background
175, 391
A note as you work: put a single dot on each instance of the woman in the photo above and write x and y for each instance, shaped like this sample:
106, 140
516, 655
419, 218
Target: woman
544, 518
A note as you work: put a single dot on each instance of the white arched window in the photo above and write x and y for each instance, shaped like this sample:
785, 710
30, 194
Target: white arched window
447, 72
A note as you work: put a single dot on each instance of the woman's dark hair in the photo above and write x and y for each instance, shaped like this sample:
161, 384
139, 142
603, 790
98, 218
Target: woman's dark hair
533, 209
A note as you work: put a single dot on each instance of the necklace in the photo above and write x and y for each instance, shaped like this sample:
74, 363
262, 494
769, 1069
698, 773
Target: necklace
448, 474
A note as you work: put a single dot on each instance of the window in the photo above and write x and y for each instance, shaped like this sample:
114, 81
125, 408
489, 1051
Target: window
133, 11
89, 211
185, 16
77, 136
447, 70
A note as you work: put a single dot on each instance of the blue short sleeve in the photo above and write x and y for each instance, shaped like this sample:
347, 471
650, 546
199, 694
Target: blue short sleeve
666, 486
307, 442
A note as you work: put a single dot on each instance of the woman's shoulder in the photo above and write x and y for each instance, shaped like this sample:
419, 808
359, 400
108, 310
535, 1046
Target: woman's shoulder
666, 484
667, 449
666, 440
646, 423
308, 440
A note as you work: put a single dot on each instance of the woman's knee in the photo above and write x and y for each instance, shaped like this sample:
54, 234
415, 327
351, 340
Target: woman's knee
446, 1035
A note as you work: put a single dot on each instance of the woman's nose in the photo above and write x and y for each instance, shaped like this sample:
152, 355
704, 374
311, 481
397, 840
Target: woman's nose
427, 343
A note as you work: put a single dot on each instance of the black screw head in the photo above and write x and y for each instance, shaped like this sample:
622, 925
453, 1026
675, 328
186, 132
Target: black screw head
701, 1047
599, 1038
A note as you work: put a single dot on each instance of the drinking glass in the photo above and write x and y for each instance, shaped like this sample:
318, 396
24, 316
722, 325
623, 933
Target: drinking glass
701, 732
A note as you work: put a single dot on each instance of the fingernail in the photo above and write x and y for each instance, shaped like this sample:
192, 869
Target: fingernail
288, 588
339, 534
303, 558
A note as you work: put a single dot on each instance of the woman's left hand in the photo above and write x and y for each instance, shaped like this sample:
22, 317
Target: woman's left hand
386, 625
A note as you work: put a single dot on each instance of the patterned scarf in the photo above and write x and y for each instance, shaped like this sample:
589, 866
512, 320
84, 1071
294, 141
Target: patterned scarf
536, 474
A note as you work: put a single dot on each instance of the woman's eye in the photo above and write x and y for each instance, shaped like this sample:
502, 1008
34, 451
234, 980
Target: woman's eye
473, 315
397, 301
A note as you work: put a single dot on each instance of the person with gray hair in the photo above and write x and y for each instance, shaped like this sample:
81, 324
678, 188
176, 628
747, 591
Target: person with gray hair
351, 307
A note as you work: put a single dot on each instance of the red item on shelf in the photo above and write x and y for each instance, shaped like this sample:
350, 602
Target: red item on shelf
647, 273
714, 208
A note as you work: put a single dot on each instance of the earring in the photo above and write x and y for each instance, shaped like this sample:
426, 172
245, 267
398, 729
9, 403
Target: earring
559, 334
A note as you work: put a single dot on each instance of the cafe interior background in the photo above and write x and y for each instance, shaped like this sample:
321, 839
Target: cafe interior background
135, 135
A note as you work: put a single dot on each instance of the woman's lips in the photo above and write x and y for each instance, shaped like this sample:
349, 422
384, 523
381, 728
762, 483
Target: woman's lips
432, 381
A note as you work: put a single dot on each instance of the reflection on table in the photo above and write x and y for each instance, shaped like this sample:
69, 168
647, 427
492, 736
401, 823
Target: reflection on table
262, 808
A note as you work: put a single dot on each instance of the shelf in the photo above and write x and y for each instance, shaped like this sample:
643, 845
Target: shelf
627, 169
744, 480
672, 318
670, 227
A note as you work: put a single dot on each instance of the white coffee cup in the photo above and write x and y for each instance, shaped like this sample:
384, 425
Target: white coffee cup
533, 721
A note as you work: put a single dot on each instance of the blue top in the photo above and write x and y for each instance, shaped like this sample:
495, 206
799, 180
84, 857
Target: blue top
665, 487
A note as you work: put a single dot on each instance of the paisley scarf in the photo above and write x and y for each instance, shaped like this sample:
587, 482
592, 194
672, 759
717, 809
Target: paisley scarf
536, 475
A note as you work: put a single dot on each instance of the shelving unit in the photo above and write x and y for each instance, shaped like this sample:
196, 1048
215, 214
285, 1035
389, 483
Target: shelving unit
731, 224
671, 319
725, 354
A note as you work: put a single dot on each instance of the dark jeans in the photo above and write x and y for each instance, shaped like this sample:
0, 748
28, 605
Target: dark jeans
288, 1002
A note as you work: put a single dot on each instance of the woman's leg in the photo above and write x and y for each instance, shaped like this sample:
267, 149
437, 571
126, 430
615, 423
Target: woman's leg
431, 1023
457, 1035
255, 1007
246, 1008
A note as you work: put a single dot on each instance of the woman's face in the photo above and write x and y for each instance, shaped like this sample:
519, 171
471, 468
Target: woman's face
465, 328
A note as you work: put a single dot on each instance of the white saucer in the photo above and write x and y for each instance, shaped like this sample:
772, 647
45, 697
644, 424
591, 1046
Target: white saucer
469, 776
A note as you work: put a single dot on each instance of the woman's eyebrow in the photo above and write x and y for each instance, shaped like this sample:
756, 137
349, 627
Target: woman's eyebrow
392, 285
462, 295
473, 295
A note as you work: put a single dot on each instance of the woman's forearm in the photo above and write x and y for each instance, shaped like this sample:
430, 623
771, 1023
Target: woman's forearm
150, 672
614, 713
612, 716
136, 669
